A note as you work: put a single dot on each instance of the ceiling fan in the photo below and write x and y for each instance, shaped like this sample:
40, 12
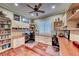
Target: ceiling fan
36, 9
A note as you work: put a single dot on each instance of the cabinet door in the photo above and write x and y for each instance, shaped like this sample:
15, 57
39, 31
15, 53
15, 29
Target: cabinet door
18, 42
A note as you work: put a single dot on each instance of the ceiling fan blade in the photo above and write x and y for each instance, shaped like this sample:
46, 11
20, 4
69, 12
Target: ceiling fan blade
41, 11
39, 5
31, 11
29, 6
36, 14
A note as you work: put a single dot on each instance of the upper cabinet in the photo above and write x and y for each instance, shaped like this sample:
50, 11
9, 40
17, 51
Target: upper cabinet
73, 12
73, 16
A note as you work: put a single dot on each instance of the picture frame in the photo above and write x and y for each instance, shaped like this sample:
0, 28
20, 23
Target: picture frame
16, 17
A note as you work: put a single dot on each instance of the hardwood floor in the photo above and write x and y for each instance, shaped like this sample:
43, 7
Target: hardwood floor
39, 49
67, 48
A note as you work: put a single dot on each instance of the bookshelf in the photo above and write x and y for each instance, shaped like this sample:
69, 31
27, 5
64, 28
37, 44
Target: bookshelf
5, 34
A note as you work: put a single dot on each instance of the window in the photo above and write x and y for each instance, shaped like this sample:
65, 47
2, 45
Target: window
24, 19
44, 27
47, 27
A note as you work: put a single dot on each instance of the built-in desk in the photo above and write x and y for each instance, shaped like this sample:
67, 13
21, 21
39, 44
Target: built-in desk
18, 41
67, 48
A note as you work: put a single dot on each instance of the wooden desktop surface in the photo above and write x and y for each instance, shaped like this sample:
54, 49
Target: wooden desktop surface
67, 48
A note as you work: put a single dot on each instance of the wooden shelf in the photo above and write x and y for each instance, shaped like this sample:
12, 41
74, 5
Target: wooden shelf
4, 24
5, 43
5, 34
74, 17
5, 39
5, 49
5, 29
71, 29
4, 19
74, 6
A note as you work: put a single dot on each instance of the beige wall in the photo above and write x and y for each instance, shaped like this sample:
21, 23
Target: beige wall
62, 17
48, 40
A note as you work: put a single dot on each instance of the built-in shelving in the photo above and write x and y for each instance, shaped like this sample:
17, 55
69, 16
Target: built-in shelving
74, 6
5, 34
74, 17
72, 29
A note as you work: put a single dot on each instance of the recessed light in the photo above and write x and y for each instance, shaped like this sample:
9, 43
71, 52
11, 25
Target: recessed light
53, 7
16, 4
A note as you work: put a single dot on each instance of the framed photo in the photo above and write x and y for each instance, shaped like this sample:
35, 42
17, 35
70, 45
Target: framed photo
16, 17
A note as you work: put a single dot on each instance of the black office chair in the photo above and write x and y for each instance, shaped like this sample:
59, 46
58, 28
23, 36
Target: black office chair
55, 42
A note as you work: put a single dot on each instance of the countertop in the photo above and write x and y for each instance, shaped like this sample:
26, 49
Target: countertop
67, 48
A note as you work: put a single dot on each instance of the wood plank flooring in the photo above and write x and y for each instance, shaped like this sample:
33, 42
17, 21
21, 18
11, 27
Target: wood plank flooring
38, 50
41, 49
67, 48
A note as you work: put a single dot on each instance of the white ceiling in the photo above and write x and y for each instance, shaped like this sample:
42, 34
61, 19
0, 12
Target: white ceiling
23, 10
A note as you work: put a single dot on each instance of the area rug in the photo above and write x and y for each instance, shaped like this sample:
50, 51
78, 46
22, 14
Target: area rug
51, 50
41, 46
31, 45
